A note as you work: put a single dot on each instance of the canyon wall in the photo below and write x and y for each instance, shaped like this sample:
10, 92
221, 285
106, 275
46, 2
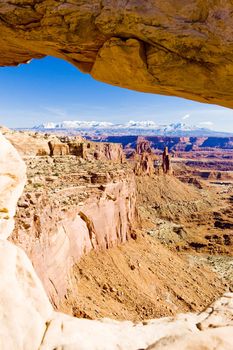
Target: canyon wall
56, 227
29, 322
96, 150
180, 48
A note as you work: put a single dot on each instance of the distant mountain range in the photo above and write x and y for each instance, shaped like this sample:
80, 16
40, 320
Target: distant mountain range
129, 128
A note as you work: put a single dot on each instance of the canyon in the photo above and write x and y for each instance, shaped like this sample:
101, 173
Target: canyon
62, 217
120, 237
182, 143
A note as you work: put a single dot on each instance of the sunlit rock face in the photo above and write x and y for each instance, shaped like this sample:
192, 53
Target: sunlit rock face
53, 237
24, 306
12, 181
172, 47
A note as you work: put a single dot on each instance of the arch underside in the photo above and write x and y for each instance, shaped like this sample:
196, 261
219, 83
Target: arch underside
174, 47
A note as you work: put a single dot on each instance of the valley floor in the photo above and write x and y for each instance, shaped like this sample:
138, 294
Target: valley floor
140, 280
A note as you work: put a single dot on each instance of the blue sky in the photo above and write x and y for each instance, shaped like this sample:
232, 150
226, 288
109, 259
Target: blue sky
53, 90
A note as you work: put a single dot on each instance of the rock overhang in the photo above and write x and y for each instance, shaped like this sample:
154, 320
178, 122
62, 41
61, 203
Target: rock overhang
180, 48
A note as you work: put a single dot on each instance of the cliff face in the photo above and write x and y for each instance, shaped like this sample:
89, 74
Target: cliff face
169, 47
96, 150
71, 216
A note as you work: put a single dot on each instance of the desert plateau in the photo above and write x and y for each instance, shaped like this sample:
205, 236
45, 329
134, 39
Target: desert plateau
136, 241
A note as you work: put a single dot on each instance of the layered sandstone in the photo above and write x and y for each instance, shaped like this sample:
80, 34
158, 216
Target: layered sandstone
96, 150
58, 145
143, 158
179, 48
69, 208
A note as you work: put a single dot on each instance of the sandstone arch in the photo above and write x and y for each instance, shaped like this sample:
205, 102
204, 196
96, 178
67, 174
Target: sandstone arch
153, 46
173, 47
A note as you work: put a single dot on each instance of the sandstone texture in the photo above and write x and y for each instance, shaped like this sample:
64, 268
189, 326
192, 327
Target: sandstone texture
60, 145
58, 148
182, 332
28, 144
24, 306
144, 164
79, 212
12, 181
172, 47
144, 160
30, 323
96, 150
69, 207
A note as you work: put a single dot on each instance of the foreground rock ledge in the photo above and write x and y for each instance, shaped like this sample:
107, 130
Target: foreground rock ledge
173, 47
28, 322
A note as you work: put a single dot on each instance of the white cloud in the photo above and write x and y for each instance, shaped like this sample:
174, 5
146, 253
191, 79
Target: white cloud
208, 123
186, 116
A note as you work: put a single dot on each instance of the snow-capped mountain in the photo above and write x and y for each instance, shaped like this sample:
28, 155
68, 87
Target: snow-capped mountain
144, 125
131, 127
179, 127
74, 124
147, 124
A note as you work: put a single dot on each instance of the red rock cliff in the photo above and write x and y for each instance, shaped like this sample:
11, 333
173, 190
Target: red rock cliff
72, 215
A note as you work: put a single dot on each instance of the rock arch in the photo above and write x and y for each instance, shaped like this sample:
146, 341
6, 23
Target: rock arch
174, 47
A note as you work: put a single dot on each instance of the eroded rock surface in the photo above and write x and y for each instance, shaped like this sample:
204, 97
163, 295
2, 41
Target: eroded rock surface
69, 207
144, 164
60, 145
39, 144
12, 181
181, 332
96, 150
169, 47
27, 320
